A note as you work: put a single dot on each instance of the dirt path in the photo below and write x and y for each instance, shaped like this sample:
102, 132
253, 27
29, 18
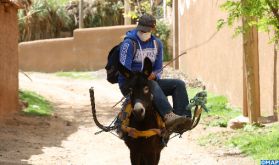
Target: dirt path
67, 138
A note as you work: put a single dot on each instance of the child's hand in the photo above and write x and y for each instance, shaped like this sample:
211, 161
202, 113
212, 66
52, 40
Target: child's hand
152, 76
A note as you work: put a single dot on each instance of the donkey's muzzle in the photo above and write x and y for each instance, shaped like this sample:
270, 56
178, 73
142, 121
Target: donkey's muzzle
139, 110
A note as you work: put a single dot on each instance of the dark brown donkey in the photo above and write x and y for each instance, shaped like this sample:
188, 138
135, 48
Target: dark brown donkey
143, 151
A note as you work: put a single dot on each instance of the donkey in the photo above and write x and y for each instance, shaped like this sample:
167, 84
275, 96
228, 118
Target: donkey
143, 151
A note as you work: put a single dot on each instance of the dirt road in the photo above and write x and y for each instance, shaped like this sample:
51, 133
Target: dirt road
67, 138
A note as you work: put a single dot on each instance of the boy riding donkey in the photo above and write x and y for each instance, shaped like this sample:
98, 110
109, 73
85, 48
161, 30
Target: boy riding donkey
139, 44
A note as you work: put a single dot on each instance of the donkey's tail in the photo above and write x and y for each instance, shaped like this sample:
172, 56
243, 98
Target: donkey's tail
92, 99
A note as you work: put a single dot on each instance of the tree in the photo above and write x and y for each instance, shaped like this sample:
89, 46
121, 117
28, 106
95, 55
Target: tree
265, 12
256, 15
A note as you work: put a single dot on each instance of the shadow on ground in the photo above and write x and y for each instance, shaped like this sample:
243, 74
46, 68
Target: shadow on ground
24, 136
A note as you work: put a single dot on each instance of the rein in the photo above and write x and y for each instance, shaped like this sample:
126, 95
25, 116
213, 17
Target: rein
102, 127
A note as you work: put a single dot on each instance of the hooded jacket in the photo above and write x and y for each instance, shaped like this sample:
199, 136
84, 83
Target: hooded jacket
133, 60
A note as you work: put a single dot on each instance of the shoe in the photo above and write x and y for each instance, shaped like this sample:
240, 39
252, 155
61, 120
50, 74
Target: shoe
187, 125
172, 122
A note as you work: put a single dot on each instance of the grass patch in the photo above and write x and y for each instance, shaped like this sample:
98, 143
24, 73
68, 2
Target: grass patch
37, 105
76, 75
210, 139
219, 110
260, 143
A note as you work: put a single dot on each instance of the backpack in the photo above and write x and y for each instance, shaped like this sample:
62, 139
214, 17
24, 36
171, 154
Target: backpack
113, 61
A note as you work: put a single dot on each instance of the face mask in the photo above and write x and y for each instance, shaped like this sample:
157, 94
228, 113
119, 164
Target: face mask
144, 36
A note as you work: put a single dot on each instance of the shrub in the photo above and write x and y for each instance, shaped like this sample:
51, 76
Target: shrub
163, 32
45, 19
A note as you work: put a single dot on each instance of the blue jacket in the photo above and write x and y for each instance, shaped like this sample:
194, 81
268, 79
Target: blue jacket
133, 60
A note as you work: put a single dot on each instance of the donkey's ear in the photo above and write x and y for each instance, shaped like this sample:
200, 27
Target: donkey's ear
124, 71
147, 68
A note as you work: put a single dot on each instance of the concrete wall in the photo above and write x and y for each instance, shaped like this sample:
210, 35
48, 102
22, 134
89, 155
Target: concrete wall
267, 77
87, 50
8, 59
47, 55
219, 63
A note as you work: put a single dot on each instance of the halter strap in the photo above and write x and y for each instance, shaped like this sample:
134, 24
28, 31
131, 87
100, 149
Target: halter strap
133, 132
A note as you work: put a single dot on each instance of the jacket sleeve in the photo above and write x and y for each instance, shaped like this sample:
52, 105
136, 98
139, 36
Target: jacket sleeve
126, 53
159, 60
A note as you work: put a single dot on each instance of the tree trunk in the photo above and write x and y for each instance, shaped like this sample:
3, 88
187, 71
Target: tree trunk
275, 94
81, 14
251, 70
245, 105
127, 9
152, 6
165, 9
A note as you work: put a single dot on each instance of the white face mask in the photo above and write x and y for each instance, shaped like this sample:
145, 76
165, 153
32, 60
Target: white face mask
144, 36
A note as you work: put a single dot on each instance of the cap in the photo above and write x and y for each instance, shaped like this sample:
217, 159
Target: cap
146, 23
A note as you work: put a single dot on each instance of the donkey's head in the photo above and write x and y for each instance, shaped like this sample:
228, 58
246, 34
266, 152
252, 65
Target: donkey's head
139, 87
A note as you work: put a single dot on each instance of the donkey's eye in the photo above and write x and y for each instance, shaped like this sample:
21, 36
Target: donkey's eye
145, 89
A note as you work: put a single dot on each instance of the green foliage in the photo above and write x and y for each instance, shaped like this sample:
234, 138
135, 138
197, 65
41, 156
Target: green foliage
257, 13
261, 143
169, 3
219, 111
48, 18
42, 20
96, 14
76, 75
37, 105
163, 32
145, 6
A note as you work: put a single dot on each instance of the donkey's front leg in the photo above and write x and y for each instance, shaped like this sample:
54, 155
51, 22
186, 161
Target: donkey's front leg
151, 158
135, 158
